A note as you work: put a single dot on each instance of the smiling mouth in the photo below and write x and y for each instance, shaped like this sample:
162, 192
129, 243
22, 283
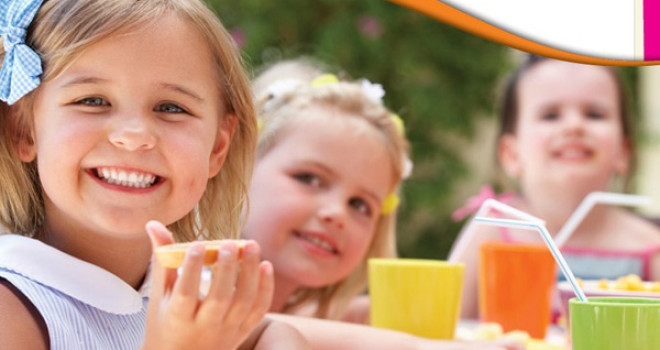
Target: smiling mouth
321, 243
125, 178
574, 154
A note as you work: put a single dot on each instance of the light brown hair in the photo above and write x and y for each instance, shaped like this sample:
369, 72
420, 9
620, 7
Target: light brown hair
60, 32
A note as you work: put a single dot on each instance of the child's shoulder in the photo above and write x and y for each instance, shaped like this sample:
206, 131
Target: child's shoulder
637, 227
30, 332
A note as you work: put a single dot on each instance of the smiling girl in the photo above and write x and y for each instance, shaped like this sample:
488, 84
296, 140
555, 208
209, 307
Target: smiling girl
565, 131
330, 162
109, 133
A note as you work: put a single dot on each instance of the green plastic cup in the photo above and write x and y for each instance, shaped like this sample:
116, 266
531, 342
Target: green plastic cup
615, 323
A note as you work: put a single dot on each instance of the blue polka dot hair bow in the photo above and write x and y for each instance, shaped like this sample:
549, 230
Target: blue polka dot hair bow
21, 67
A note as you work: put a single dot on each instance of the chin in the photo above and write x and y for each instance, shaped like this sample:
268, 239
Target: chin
318, 282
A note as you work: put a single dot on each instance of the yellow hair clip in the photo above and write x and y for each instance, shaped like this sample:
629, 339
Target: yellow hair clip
389, 204
324, 79
398, 123
260, 125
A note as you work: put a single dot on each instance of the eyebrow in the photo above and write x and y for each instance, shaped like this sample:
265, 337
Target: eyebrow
367, 192
182, 90
82, 80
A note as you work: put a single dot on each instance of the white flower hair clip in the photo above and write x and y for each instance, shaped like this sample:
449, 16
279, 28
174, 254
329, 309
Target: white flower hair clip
278, 89
374, 92
283, 86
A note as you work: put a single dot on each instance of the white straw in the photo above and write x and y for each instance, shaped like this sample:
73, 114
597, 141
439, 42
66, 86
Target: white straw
466, 239
548, 241
591, 200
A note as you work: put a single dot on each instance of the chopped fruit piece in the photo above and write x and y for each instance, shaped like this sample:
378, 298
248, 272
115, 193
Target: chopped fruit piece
488, 331
172, 255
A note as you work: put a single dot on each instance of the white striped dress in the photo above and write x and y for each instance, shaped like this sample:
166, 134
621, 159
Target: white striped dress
84, 306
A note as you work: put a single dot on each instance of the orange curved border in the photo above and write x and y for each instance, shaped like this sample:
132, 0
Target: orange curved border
473, 25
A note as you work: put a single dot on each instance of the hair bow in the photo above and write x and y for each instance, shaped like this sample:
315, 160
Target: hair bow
474, 203
389, 204
21, 67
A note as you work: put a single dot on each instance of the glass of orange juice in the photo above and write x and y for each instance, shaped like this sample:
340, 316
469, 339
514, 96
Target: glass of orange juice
515, 286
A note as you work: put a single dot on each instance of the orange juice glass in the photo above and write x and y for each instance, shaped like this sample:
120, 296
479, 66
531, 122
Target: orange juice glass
515, 286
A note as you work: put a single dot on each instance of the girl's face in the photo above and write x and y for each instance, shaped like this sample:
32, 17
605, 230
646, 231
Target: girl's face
129, 132
316, 196
569, 129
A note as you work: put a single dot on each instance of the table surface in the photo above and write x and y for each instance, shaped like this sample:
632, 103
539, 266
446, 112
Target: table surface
555, 338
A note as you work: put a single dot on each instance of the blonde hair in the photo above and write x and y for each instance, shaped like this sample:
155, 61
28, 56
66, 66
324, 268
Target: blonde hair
280, 109
61, 31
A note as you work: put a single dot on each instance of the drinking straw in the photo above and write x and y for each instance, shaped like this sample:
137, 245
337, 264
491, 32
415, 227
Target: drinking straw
487, 205
591, 200
531, 225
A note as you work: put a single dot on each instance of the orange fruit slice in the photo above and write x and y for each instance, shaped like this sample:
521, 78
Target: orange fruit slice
172, 255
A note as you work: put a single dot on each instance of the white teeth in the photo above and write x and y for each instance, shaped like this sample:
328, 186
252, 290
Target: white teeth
574, 153
124, 178
318, 242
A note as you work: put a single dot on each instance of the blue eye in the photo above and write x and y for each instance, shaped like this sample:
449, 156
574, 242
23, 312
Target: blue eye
360, 205
170, 108
92, 101
308, 178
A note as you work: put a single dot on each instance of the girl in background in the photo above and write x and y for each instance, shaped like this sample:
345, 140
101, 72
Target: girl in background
565, 131
330, 162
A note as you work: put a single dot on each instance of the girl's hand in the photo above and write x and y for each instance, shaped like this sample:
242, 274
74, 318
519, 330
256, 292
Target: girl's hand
499, 344
239, 296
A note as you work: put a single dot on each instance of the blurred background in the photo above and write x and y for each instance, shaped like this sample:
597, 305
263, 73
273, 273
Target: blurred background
444, 84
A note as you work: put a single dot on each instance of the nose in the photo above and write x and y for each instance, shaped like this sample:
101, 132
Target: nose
132, 133
332, 215
574, 121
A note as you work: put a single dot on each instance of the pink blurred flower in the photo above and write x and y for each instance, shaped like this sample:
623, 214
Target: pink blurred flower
239, 37
370, 26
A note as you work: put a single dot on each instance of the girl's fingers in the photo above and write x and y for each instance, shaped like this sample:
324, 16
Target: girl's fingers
221, 290
162, 279
185, 294
264, 296
246, 284
158, 233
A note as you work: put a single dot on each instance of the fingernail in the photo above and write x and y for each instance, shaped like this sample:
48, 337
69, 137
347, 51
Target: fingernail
196, 250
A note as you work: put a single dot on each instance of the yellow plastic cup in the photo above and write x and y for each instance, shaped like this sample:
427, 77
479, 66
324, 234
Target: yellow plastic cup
417, 296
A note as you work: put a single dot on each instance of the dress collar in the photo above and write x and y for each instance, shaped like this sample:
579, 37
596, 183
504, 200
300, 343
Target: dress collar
76, 278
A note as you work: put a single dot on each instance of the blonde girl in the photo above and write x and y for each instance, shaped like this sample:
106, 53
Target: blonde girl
108, 128
330, 162
357, 105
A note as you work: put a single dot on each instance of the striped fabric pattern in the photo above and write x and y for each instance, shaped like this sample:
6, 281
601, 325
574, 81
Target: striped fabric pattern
74, 325
84, 306
594, 267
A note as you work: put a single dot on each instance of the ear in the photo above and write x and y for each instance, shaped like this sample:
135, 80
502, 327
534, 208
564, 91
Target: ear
507, 151
23, 136
222, 143
622, 163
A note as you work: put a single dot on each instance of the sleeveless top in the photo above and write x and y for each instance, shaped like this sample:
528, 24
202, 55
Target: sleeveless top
84, 306
591, 263
586, 263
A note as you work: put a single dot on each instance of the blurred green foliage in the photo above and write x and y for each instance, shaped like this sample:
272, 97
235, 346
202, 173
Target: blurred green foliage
440, 80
